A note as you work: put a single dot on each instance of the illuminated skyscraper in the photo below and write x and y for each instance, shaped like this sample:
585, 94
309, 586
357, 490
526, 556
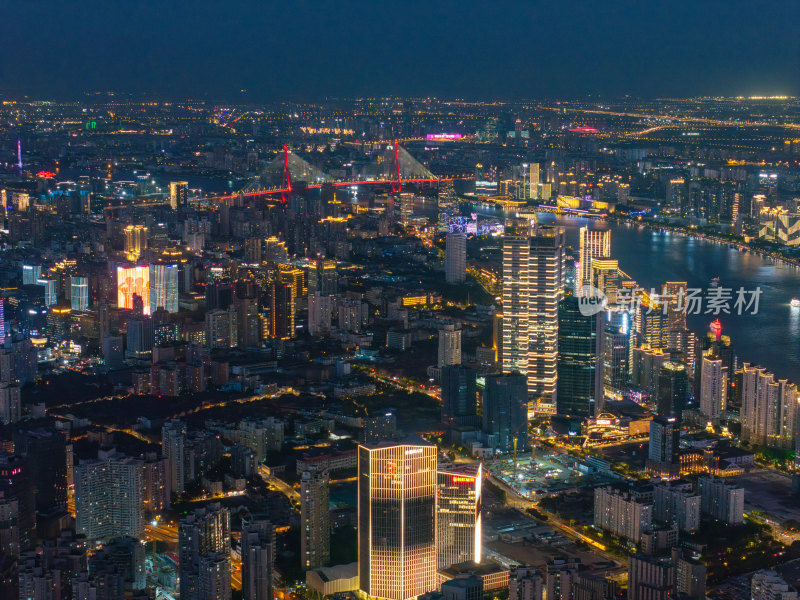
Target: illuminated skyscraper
315, 526
673, 390
516, 266
164, 287
135, 241
49, 285
455, 257
505, 411
593, 244
133, 281
79, 293
31, 274
397, 519
458, 516
769, 408
449, 345
178, 194
714, 386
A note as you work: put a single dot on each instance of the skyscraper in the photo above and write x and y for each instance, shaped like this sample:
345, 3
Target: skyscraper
449, 345
31, 274
579, 390
459, 407
458, 517
714, 387
281, 305
79, 293
673, 389
315, 526
173, 443
109, 498
397, 519
516, 266
258, 556
135, 241
178, 194
769, 408
505, 412
204, 546
164, 287
455, 257
593, 244
664, 435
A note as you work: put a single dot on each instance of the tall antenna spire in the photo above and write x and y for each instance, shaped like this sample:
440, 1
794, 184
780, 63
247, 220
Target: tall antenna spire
19, 154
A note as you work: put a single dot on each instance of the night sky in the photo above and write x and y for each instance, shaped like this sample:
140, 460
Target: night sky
312, 49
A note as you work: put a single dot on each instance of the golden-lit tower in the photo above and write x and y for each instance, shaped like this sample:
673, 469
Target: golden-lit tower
135, 241
397, 519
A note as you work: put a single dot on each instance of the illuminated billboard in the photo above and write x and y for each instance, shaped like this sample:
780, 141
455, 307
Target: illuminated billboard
442, 137
130, 281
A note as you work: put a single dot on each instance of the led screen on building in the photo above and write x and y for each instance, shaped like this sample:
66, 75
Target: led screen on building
130, 281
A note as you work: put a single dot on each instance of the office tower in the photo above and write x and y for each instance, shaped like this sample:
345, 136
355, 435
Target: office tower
397, 519
449, 345
593, 244
112, 351
406, 207
664, 437
204, 547
459, 406
714, 387
281, 305
674, 294
458, 516
673, 390
2, 322
164, 287
45, 451
516, 267
50, 295
525, 583
579, 389
465, 586
622, 514
769, 408
768, 585
560, 577
721, 500
140, 333
17, 488
178, 194
617, 349
677, 504
606, 277
79, 293
315, 526
173, 443
258, 557
133, 281
108, 497
222, 329
455, 257
650, 578
31, 274
323, 277
135, 241
505, 412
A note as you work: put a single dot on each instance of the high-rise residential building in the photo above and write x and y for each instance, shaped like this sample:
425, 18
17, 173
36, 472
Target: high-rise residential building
458, 516
561, 575
320, 310
455, 257
586, 586
721, 500
19, 502
315, 526
222, 329
459, 396
135, 241
664, 437
397, 519
674, 293
579, 389
449, 345
769, 411
673, 390
178, 194
525, 583
505, 412
714, 387
622, 514
173, 444
768, 585
164, 287
45, 450
281, 308
650, 578
204, 546
677, 504
258, 558
79, 293
592, 244
109, 497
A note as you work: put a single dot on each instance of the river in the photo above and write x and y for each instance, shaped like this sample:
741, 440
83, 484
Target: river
769, 338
